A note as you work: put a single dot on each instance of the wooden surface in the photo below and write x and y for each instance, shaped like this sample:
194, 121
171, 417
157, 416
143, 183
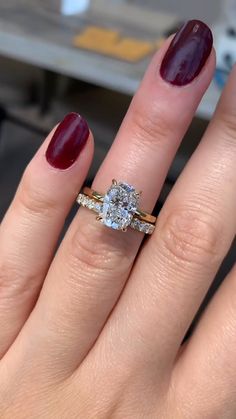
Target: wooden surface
31, 32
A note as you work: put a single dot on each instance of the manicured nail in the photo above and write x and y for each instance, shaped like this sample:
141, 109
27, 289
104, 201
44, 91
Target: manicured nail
67, 141
187, 53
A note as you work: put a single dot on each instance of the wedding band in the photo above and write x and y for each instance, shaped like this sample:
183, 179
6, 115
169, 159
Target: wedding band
118, 207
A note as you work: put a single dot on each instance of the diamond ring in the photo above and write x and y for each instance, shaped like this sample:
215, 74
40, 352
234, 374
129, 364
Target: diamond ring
118, 208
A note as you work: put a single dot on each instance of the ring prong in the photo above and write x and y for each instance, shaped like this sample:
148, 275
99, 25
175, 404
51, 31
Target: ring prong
99, 218
124, 229
114, 182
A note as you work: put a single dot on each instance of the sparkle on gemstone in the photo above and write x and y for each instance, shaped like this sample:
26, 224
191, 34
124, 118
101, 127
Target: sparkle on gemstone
119, 206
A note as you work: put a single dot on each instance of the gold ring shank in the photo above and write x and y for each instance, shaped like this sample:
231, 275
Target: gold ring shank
141, 215
96, 206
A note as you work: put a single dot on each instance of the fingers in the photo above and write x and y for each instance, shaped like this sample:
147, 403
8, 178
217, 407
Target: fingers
31, 227
211, 353
93, 262
193, 234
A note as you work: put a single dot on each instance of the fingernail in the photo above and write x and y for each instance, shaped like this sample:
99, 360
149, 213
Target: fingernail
187, 53
67, 142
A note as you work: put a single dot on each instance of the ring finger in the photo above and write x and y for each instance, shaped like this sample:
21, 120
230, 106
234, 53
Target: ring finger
93, 262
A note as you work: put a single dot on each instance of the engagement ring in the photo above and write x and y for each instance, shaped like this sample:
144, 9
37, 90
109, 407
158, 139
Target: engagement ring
118, 208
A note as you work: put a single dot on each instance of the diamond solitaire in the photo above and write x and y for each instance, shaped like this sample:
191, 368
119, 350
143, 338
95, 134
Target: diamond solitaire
119, 206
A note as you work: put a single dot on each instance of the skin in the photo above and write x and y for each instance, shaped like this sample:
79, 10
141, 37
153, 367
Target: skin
96, 332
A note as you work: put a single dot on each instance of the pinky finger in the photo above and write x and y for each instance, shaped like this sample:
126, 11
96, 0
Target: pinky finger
30, 229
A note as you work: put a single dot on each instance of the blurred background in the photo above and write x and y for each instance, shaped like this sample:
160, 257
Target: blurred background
89, 56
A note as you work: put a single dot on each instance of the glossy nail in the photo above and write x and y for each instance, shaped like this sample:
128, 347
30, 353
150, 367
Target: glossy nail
187, 53
67, 142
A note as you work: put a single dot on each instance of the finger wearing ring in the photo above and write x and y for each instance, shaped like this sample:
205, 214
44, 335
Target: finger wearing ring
118, 208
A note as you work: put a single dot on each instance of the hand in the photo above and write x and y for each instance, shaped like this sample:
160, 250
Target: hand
95, 331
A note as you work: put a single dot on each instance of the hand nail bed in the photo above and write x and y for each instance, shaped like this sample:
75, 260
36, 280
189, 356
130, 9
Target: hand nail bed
187, 53
68, 141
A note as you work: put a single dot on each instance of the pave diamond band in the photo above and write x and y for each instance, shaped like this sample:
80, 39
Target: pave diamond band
95, 206
118, 208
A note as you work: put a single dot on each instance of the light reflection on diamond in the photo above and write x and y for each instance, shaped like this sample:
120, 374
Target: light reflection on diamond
135, 223
119, 206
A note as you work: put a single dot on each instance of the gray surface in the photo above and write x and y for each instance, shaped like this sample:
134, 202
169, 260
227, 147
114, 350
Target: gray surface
31, 35
207, 10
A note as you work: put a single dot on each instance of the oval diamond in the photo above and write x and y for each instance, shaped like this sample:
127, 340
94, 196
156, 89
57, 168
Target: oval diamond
119, 206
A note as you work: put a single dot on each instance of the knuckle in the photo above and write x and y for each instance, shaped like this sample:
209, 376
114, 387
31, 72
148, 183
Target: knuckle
150, 128
191, 236
17, 283
35, 199
98, 250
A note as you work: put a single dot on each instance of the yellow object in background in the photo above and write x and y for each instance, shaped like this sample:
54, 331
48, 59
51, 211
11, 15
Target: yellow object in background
94, 34
97, 39
131, 49
111, 43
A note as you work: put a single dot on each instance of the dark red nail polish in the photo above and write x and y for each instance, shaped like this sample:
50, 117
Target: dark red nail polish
67, 141
187, 53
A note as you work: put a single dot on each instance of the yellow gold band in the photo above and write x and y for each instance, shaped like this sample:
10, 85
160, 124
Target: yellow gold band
141, 215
